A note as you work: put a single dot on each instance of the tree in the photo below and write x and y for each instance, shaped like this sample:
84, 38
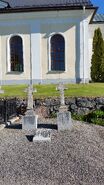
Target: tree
97, 62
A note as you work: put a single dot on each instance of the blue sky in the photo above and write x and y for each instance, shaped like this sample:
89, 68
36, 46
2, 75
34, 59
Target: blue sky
100, 4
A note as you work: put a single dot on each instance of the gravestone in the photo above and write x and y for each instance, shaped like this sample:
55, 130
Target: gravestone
29, 121
1, 90
61, 89
64, 121
42, 135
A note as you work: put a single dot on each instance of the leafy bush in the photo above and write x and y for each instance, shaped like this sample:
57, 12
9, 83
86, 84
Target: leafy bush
77, 117
53, 115
95, 117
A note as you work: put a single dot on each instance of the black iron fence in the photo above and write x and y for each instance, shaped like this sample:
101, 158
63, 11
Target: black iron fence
8, 109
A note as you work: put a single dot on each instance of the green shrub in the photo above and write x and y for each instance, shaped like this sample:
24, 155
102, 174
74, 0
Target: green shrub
98, 121
95, 117
97, 67
77, 117
53, 115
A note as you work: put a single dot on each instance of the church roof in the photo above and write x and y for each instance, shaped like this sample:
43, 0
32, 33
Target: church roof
47, 3
12, 6
98, 18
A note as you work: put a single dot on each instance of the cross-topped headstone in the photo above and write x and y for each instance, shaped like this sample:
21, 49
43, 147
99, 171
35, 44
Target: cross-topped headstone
63, 116
29, 90
30, 97
61, 88
29, 121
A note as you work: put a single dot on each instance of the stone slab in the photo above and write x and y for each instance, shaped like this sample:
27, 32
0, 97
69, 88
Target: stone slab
42, 135
64, 121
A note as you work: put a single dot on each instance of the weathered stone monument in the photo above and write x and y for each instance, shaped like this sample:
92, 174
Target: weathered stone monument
29, 121
61, 89
64, 121
42, 135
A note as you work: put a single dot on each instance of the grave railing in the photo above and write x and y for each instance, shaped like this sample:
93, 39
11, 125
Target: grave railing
7, 109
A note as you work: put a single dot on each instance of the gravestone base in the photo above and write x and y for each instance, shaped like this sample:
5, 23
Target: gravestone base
64, 121
63, 108
29, 121
42, 135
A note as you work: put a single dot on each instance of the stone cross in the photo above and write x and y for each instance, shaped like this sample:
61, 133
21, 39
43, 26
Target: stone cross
30, 97
29, 120
61, 88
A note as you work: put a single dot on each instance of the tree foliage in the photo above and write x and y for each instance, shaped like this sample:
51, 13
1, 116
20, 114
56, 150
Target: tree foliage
97, 62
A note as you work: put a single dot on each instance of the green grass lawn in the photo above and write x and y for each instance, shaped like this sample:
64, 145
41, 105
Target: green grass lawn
74, 90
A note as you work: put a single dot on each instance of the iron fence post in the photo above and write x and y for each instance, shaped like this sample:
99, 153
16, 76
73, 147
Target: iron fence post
5, 112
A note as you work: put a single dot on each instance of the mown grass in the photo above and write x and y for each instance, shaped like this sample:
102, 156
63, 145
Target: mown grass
74, 90
14, 91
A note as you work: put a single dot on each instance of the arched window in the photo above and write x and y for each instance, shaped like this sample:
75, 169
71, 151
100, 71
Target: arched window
57, 53
16, 54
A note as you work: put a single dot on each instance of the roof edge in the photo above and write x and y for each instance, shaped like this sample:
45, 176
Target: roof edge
96, 8
8, 5
36, 9
99, 21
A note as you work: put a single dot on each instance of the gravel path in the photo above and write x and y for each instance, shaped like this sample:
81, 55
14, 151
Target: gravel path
74, 157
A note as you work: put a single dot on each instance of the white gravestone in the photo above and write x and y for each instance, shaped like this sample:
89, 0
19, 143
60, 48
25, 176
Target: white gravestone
64, 121
63, 116
61, 89
29, 121
30, 98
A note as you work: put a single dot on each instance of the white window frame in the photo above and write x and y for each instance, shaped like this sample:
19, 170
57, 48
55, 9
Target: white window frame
8, 53
49, 51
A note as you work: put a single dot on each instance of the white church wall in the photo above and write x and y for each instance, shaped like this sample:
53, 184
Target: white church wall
6, 33
69, 33
36, 28
72, 30
92, 28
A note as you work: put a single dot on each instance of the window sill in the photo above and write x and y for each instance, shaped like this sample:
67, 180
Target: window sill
55, 72
14, 72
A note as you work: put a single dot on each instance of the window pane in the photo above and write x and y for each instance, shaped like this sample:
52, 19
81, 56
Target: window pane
57, 53
16, 54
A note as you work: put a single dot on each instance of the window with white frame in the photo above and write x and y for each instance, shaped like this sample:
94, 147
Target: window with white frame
57, 52
16, 54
